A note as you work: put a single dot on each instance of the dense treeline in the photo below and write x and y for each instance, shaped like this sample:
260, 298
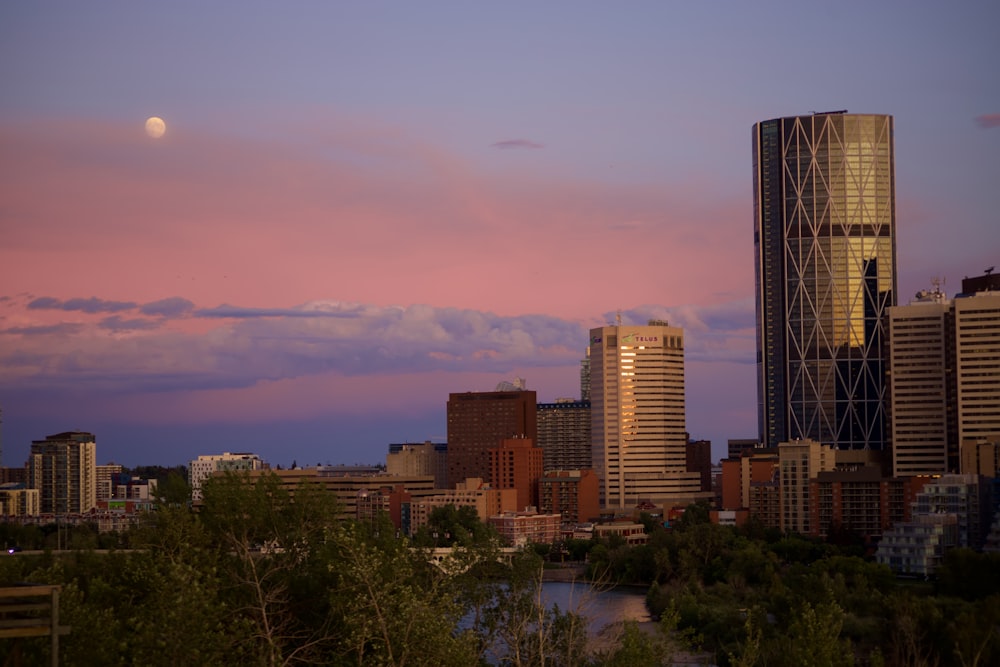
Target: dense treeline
260, 576
758, 597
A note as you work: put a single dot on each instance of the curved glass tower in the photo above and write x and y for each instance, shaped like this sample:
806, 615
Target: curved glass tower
824, 235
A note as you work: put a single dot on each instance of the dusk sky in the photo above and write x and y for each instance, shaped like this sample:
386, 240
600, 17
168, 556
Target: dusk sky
358, 208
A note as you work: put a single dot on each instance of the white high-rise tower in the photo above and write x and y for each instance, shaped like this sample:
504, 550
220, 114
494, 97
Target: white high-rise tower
638, 430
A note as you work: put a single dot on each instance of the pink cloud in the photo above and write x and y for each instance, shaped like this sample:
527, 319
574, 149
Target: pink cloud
989, 120
389, 221
362, 224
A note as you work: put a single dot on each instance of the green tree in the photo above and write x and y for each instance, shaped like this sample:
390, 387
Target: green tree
270, 540
450, 525
631, 645
519, 628
392, 606
173, 490
914, 631
976, 633
813, 638
968, 575
749, 651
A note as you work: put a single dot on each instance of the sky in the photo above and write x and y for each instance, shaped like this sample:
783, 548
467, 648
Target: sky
358, 208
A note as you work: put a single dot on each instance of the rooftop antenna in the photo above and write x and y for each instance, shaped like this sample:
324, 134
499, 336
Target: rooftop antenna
989, 270
618, 318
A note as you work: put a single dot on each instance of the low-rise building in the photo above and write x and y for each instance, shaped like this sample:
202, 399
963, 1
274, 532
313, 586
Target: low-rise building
520, 529
347, 488
916, 547
632, 533
129, 487
729, 517
17, 500
473, 492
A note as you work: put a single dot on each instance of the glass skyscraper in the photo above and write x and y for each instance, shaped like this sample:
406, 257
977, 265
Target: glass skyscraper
824, 236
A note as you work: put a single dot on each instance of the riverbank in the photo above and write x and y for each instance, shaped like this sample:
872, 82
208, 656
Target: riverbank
565, 572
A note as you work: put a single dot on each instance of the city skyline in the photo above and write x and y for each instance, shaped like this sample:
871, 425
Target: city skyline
355, 211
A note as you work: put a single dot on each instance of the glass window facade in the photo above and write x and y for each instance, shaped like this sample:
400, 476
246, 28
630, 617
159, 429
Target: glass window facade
824, 237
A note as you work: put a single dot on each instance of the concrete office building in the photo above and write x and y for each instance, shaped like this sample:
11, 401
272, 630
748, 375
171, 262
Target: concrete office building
922, 433
735, 447
570, 493
699, 460
585, 378
564, 434
479, 421
799, 462
517, 464
63, 467
638, 415
429, 458
824, 236
981, 457
977, 365
944, 378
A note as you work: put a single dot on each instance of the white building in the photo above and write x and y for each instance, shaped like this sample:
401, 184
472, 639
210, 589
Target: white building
950, 511
944, 379
977, 366
202, 468
917, 547
919, 386
638, 430
964, 496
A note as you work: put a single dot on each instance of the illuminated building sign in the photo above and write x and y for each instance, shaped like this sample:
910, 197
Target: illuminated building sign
635, 339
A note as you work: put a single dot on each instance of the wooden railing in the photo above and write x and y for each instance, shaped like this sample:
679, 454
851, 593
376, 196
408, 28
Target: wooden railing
25, 612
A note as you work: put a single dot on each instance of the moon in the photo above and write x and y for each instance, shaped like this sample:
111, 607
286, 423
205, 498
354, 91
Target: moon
155, 127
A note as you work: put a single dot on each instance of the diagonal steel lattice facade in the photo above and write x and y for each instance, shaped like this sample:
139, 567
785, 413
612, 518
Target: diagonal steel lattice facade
824, 209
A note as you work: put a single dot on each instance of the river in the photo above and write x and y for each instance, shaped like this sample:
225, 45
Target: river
600, 606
